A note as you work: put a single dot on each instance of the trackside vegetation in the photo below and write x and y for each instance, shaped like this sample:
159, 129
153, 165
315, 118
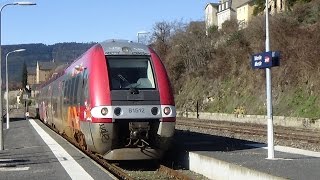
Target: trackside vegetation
214, 69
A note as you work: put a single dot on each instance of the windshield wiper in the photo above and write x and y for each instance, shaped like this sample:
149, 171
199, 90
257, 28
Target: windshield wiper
133, 90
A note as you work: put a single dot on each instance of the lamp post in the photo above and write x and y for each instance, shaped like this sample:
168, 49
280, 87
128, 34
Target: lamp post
7, 79
1, 120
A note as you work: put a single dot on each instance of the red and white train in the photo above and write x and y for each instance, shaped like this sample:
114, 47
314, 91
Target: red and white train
116, 100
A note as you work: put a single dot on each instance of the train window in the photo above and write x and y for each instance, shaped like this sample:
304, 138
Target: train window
131, 72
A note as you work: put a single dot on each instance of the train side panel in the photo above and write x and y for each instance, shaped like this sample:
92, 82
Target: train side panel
167, 123
102, 133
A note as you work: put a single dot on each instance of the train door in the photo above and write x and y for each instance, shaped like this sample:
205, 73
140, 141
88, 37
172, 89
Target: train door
49, 109
55, 105
84, 103
71, 117
60, 102
75, 107
83, 94
64, 103
79, 103
42, 106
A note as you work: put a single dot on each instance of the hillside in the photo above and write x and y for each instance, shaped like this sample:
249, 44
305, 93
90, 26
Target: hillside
215, 69
61, 52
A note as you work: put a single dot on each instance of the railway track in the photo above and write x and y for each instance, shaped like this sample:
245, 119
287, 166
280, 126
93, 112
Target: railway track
284, 133
119, 172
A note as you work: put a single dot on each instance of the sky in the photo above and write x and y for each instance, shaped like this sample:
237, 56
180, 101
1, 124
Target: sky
57, 21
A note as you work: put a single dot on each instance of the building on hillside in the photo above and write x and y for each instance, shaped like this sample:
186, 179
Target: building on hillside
211, 11
242, 10
44, 71
225, 12
41, 73
32, 75
244, 13
277, 6
228, 10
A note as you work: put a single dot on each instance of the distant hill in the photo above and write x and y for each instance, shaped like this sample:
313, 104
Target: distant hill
60, 52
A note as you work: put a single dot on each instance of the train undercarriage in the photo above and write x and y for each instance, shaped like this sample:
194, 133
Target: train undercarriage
129, 140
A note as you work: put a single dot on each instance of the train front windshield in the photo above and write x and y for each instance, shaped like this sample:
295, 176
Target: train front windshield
130, 72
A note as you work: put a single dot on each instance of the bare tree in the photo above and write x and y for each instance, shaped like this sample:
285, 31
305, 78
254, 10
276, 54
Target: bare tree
160, 38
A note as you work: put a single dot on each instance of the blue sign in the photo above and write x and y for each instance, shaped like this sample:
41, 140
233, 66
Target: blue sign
265, 60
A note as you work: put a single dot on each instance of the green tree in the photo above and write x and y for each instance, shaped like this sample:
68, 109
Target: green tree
259, 6
24, 75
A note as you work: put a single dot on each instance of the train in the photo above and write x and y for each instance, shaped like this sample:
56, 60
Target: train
115, 100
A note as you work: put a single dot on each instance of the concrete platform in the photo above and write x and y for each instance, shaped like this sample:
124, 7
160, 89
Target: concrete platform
251, 163
32, 151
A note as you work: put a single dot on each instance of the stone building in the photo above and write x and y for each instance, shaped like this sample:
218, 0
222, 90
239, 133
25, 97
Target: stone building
277, 6
32, 75
217, 13
44, 71
41, 73
211, 10
244, 13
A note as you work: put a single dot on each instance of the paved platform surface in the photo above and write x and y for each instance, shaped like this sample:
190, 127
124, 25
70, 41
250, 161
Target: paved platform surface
29, 155
225, 158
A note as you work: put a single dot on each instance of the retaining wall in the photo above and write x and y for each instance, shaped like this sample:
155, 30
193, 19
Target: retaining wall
257, 119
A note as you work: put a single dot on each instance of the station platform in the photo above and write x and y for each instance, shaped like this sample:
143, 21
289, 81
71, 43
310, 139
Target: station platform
33, 151
225, 158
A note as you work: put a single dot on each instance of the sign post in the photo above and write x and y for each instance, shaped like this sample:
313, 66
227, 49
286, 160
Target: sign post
269, 93
266, 60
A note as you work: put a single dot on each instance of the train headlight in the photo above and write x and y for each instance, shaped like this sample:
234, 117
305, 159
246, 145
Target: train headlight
166, 110
154, 110
104, 111
117, 111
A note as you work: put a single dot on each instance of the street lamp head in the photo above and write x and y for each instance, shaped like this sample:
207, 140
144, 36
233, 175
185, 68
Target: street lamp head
19, 50
23, 3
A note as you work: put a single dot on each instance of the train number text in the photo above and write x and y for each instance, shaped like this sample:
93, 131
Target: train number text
136, 110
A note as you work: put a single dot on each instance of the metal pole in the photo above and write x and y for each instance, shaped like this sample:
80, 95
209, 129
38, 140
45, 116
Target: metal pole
7, 84
269, 94
7, 90
1, 118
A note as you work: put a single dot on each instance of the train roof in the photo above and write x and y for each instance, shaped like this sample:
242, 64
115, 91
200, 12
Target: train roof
124, 47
